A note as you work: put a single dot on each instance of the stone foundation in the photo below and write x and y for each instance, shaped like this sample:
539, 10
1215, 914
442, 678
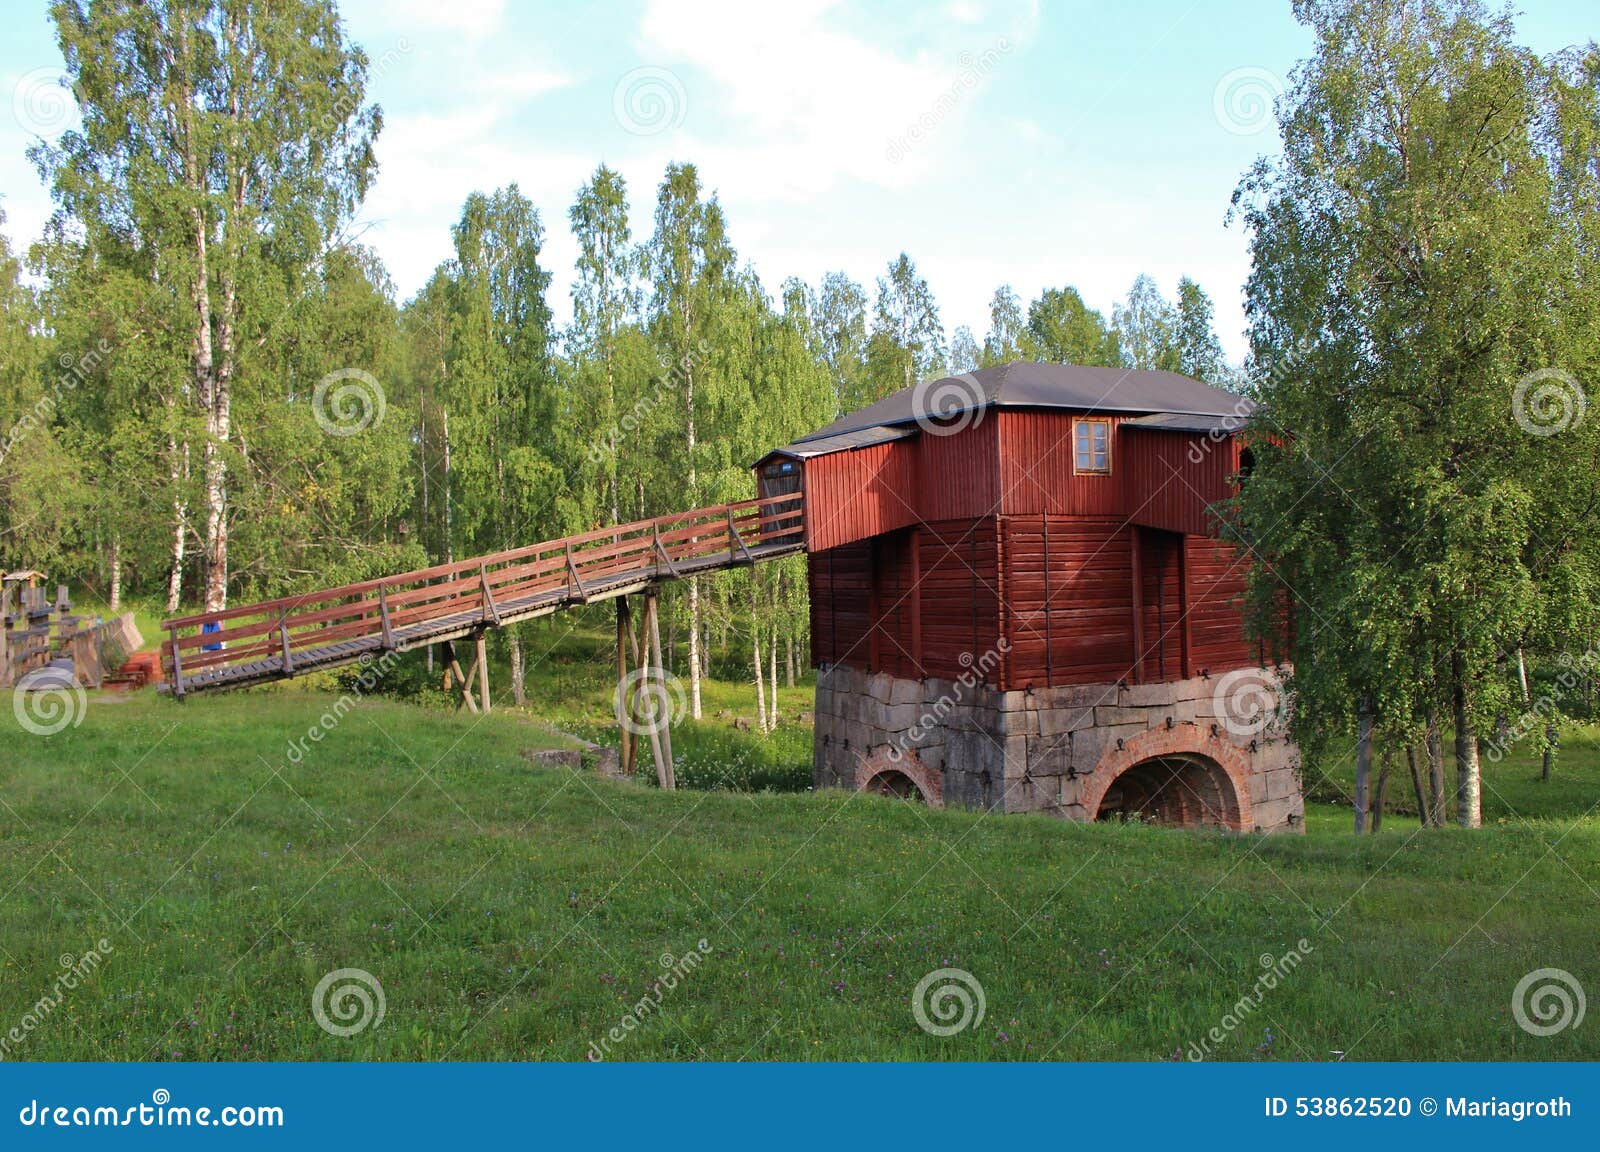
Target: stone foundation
1194, 752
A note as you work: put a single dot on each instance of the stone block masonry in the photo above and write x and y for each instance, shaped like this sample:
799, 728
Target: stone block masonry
1177, 752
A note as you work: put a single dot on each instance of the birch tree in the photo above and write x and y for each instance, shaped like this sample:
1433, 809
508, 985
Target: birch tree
233, 142
687, 261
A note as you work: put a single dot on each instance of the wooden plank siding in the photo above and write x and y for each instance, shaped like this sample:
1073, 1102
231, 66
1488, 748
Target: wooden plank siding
1036, 473
958, 475
1161, 604
860, 493
1168, 480
868, 597
1217, 577
1081, 569
1059, 588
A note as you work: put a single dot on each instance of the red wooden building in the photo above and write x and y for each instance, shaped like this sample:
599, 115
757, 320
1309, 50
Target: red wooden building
1029, 552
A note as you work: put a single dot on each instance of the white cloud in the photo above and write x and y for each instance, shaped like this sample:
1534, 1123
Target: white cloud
809, 103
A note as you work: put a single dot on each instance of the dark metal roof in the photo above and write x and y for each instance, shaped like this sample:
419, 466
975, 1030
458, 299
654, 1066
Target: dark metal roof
1026, 384
861, 438
1184, 422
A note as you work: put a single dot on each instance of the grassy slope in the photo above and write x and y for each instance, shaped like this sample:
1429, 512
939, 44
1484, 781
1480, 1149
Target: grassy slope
513, 912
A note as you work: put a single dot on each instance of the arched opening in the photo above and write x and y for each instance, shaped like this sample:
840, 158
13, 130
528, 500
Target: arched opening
1181, 789
894, 783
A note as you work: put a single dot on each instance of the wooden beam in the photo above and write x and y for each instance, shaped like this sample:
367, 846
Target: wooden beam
1049, 668
1137, 674
735, 543
659, 736
177, 665
491, 612
874, 624
1184, 638
283, 636
624, 705
916, 601
574, 581
453, 669
383, 612
483, 671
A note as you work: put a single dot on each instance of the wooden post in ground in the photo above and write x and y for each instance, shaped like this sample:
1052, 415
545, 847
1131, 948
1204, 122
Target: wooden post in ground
624, 704
453, 675
483, 672
661, 719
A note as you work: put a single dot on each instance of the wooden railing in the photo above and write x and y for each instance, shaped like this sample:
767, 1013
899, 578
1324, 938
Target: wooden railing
271, 639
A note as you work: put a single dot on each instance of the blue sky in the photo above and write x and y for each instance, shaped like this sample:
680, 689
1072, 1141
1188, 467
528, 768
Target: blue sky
1038, 144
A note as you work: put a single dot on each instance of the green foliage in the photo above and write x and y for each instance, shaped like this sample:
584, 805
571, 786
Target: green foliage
1423, 269
1062, 329
907, 341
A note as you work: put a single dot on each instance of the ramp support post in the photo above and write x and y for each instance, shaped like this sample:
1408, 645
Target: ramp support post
624, 690
658, 706
482, 645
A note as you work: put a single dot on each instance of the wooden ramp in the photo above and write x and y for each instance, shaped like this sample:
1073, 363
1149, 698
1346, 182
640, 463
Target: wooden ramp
277, 639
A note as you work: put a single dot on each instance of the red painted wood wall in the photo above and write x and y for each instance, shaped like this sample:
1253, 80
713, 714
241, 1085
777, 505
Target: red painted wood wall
1169, 479
925, 551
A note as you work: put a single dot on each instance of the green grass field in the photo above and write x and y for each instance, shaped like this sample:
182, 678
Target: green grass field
230, 862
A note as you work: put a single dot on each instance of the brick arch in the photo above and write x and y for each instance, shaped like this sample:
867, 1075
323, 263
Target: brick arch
1178, 740
885, 766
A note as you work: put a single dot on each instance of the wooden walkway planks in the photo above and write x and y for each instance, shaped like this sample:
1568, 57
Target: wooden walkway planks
279, 639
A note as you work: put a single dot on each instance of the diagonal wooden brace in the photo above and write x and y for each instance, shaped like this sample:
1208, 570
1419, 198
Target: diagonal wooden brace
383, 612
735, 542
575, 589
491, 612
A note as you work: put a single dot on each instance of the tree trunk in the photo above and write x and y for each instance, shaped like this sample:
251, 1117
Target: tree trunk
772, 681
1381, 792
114, 596
788, 642
519, 692
1469, 812
1363, 764
180, 521
761, 693
1522, 675
1436, 797
694, 502
449, 527
1423, 811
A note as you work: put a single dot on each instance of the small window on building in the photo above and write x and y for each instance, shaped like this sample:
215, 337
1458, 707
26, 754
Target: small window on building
1091, 446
